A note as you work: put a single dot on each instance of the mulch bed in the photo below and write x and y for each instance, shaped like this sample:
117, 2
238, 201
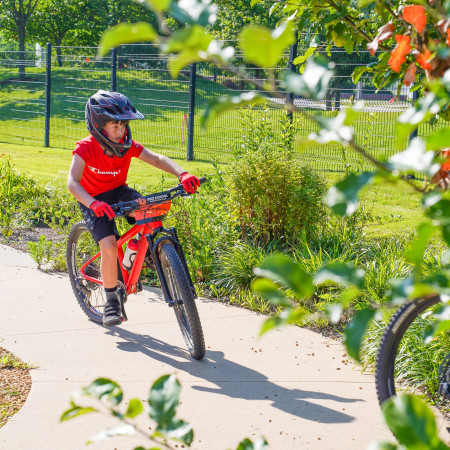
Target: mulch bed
15, 385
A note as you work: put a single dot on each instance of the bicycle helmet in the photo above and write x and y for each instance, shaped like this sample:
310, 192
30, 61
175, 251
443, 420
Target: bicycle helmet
106, 106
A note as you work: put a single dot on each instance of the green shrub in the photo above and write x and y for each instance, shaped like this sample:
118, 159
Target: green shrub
16, 189
271, 196
204, 226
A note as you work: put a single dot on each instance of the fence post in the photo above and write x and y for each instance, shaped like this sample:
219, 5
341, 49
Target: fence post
113, 69
48, 85
292, 68
192, 78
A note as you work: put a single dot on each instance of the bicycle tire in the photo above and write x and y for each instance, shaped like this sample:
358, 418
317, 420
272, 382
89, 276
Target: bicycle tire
392, 340
185, 311
81, 247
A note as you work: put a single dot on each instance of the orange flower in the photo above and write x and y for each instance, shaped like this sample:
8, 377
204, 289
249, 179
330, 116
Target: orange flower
422, 59
415, 15
398, 56
447, 41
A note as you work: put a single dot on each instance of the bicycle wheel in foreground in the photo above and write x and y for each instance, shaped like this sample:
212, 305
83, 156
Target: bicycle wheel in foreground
184, 307
402, 344
80, 248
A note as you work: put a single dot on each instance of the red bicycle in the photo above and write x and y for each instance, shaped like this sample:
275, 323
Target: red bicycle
156, 247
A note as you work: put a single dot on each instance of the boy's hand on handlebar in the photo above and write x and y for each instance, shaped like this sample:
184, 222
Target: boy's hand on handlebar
102, 208
189, 182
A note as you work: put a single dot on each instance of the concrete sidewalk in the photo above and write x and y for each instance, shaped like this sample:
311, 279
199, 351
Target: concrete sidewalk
293, 386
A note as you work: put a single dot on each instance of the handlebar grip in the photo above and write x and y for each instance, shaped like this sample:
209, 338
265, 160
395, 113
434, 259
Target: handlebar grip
203, 180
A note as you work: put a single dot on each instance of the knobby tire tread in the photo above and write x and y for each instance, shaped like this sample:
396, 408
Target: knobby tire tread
198, 352
390, 341
77, 230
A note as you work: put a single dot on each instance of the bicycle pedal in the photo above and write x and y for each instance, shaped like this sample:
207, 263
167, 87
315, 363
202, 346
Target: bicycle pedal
444, 390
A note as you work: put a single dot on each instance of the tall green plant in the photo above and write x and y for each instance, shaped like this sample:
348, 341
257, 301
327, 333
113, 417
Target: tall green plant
271, 196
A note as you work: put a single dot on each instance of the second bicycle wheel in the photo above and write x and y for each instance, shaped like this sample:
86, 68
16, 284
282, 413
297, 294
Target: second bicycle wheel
184, 303
402, 346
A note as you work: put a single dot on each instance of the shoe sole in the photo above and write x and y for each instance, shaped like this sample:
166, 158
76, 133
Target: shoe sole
112, 323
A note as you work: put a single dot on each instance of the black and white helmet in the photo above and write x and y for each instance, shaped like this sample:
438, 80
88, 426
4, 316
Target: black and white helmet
106, 106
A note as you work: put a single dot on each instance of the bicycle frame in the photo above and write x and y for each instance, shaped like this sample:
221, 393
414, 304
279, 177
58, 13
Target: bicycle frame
149, 227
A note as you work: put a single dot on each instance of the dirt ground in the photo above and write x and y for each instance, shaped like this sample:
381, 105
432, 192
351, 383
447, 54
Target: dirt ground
15, 385
21, 236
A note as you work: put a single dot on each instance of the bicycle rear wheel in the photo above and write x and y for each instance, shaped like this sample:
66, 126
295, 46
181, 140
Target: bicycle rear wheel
184, 303
80, 248
401, 342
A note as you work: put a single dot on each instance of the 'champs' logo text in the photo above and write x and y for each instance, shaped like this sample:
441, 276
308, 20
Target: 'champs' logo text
101, 172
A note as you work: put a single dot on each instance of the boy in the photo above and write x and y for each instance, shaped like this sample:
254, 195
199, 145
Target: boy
97, 178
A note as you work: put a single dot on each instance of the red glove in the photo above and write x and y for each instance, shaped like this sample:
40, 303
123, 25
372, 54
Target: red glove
189, 182
102, 208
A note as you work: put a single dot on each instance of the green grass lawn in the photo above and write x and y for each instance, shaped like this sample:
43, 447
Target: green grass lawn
52, 165
165, 104
389, 209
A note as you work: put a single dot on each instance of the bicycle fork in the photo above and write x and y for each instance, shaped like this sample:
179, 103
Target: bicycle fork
154, 246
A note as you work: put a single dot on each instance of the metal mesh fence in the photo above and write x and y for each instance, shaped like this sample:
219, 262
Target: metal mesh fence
142, 74
22, 96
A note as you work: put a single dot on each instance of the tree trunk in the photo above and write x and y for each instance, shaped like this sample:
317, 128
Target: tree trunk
58, 54
22, 55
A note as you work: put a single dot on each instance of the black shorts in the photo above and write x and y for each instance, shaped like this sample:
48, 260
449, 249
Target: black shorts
101, 227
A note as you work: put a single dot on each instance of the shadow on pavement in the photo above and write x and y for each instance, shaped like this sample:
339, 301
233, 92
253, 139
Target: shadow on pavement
235, 380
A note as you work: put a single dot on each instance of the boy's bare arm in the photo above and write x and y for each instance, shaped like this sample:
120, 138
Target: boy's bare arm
73, 181
161, 162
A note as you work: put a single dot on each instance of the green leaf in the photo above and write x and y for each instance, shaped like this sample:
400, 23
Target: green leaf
334, 312
383, 446
254, 38
440, 213
355, 330
414, 159
163, 399
187, 44
224, 103
340, 273
412, 422
270, 292
358, 72
156, 5
135, 408
121, 430
255, 2
179, 430
286, 317
125, 33
439, 139
302, 58
191, 12
423, 109
314, 81
281, 269
105, 389
195, 38
343, 197
416, 249
247, 444
75, 411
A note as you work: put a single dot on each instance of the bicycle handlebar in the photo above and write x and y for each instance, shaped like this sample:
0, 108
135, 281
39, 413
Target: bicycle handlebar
123, 208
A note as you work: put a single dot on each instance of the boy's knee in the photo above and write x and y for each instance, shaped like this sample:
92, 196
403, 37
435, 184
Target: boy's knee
108, 246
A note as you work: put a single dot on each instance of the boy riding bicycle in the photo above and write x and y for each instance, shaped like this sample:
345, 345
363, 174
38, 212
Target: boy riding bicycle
97, 178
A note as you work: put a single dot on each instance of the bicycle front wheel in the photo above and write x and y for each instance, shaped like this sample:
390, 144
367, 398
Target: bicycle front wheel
401, 345
184, 303
80, 248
